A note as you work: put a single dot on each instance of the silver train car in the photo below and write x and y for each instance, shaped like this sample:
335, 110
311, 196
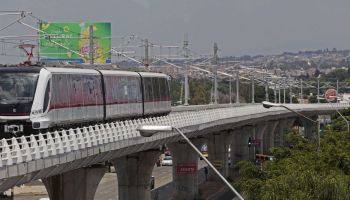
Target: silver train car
34, 99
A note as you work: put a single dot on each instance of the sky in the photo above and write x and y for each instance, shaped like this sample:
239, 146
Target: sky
239, 27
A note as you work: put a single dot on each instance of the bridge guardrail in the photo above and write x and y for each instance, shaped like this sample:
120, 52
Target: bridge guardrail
33, 147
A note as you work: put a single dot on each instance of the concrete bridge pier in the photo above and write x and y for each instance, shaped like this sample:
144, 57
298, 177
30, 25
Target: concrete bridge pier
79, 184
310, 128
218, 144
283, 127
134, 174
269, 136
185, 169
259, 136
239, 148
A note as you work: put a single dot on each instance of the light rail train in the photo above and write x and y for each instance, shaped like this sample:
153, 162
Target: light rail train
35, 98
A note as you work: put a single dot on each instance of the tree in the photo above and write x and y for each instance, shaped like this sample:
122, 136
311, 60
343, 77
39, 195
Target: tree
312, 99
298, 173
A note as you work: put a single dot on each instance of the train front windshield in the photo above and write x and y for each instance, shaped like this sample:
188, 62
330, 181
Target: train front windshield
17, 88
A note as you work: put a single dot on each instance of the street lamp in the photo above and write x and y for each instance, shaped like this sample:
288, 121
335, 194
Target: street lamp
148, 131
267, 104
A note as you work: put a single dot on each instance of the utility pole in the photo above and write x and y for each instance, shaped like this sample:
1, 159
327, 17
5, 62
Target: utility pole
146, 60
279, 92
284, 91
290, 94
253, 89
275, 92
318, 89
266, 90
91, 44
301, 91
187, 90
237, 86
181, 92
215, 66
38, 49
230, 86
337, 89
212, 96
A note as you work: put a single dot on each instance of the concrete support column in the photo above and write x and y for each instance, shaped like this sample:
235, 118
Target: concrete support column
79, 184
134, 173
283, 127
185, 169
218, 144
279, 134
269, 136
239, 148
259, 135
310, 128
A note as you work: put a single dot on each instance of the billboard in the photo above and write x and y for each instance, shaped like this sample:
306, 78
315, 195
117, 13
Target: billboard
70, 42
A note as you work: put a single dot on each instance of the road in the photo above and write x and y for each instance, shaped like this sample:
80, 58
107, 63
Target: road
108, 187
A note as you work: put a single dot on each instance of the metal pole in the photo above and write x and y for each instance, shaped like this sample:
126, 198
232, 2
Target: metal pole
230, 90
91, 42
38, 49
209, 164
186, 87
318, 89
279, 92
146, 61
318, 139
290, 94
284, 92
215, 63
187, 92
266, 91
181, 92
347, 122
275, 93
237, 87
337, 89
301, 91
253, 89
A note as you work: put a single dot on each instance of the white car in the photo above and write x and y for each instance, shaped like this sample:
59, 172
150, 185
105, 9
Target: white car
167, 161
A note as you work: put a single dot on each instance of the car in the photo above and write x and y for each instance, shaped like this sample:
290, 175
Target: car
167, 161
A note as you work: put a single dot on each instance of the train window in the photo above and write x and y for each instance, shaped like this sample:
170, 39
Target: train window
133, 90
161, 89
60, 90
124, 89
155, 82
76, 90
148, 89
167, 89
47, 96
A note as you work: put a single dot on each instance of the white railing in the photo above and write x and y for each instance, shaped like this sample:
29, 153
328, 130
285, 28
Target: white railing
43, 145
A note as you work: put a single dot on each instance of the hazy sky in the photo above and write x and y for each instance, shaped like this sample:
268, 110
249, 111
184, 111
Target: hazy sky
238, 26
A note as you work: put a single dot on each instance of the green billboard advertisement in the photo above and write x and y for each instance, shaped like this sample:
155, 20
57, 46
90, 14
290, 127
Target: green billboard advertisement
71, 42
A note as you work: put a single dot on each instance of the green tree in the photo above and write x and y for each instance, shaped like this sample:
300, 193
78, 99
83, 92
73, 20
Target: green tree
298, 173
312, 99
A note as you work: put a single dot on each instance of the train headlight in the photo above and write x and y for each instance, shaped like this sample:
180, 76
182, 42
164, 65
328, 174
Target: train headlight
13, 128
37, 112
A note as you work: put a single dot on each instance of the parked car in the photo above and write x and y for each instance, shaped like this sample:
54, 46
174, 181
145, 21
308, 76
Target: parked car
167, 161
